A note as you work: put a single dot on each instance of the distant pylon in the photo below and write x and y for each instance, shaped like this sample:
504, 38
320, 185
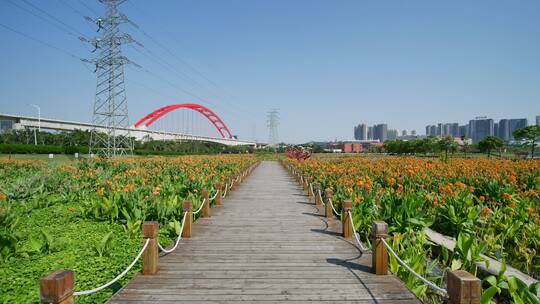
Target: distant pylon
110, 106
273, 123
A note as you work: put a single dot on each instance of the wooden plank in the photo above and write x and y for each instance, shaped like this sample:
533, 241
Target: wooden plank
266, 242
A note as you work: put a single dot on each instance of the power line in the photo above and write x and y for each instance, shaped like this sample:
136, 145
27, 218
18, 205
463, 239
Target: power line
186, 63
53, 17
39, 41
63, 51
42, 18
88, 8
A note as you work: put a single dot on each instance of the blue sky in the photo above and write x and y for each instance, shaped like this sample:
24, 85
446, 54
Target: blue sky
327, 65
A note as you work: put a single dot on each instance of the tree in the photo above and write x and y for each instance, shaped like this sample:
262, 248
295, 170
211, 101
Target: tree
447, 144
530, 134
466, 146
490, 143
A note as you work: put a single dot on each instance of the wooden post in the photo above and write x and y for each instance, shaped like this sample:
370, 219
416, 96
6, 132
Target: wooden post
206, 207
346, 220
317, 191
57, 287
463, 287
380, 253
219, 189
327, 207
150, 256
188, 207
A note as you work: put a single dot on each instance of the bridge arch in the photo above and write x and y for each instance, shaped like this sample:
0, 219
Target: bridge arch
222, 128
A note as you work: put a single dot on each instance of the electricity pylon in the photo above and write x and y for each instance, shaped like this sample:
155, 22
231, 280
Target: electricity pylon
110, 135
273, 123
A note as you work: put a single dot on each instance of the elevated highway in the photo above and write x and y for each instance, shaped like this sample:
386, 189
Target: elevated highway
9, 121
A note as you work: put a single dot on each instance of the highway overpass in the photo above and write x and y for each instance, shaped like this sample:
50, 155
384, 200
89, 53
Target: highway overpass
8, 121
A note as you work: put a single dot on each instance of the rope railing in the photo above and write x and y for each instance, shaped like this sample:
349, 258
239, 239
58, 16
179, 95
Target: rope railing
360, 245
215, 195
334, 209
177, 239
200, 207
311, 189
418, 276
225, 192
118, 277
320, 197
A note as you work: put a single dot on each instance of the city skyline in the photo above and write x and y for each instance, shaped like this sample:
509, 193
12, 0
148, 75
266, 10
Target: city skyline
475, 129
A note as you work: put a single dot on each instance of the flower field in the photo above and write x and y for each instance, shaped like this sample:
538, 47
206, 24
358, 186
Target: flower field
489, 206
87, 216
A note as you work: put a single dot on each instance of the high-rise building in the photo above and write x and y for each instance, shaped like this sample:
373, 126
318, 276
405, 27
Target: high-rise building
439, 129
480, 128
361, 132
446, 131
496, 129
454, 129
538, 120
413, 132
392, 134
404, 133
464, 131
503, 132
370, 133
380, 132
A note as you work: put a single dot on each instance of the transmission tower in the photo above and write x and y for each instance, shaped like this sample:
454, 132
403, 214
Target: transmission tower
110, 135
273, 123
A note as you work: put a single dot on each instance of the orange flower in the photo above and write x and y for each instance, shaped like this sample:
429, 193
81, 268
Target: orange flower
101, 191
71, 209
436, 203
507, 196
482, 198
513, 205
485, 211
2, 197
156, 190
530, 211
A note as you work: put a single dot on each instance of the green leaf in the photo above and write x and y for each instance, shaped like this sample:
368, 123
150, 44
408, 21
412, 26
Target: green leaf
488, 294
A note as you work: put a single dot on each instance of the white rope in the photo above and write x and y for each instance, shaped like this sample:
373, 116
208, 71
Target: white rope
332, 205
311, 189
91, 291
215, 195
320, 198
225, 192
426, 281
200, 207
177, 239
362, 248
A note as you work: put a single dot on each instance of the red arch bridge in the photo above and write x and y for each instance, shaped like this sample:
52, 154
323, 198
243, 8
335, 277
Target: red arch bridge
140, 129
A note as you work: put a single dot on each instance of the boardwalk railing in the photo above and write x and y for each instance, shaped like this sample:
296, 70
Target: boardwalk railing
461, 286
58, 287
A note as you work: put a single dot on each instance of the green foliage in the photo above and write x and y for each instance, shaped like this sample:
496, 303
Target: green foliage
530, 134
103, 247
9, 237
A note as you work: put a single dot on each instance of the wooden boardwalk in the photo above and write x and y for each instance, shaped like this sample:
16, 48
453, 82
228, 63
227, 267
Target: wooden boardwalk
266, 243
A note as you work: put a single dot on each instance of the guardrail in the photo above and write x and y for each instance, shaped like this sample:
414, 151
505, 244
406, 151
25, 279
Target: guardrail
461, 286
58, 287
